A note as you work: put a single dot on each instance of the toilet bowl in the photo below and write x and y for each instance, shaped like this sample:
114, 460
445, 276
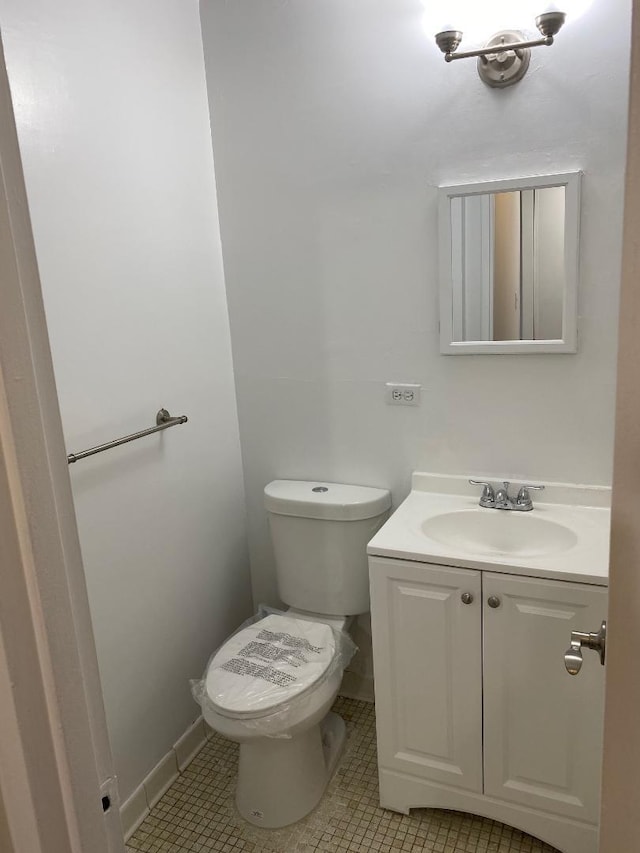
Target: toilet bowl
271, 685
278, 711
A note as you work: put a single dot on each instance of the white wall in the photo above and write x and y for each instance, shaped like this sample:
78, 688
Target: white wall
333, 125
111, 108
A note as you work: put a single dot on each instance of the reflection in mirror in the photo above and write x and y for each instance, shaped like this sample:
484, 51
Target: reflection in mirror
509, 277
509, 265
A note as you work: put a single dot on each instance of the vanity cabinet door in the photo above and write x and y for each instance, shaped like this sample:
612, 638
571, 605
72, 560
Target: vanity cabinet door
542, 726
427, 660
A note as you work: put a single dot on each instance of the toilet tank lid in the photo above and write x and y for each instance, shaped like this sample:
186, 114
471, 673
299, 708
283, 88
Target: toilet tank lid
333, 501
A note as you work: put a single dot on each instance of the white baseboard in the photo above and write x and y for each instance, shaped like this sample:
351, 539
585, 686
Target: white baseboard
189, 745
135, 809
163, 775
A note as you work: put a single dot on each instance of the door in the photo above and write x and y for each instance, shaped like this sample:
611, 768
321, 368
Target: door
55, 762
427, 653
506, 268
542, 727
620, 820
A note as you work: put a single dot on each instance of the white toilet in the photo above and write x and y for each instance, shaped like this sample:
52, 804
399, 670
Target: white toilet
271, 685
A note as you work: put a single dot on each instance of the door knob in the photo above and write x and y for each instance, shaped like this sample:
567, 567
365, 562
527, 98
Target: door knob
582, 639
493, 601
467, 598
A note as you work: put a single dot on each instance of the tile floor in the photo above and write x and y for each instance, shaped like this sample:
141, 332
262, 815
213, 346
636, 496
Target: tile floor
197, 814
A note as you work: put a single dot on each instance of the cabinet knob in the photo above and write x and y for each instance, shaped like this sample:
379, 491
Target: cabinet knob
493, 601
467, 598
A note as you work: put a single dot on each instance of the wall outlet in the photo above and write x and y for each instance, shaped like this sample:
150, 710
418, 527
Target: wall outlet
402, 394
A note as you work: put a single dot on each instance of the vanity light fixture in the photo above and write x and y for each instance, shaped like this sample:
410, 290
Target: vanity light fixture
505, 58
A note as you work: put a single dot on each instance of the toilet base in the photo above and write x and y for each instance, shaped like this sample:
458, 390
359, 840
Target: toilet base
280, 780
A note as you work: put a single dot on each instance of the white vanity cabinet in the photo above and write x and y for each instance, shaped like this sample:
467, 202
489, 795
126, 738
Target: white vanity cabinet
542, 727
428, 671
475, 709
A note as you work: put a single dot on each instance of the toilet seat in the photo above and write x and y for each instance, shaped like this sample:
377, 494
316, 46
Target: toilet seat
268, 665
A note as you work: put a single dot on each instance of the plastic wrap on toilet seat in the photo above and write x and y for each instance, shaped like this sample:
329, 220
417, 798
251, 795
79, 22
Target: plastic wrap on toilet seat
270, 669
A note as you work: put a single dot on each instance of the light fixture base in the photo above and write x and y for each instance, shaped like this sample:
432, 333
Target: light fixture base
504, 69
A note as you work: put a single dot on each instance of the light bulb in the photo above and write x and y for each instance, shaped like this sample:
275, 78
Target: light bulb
573, 8
479, 21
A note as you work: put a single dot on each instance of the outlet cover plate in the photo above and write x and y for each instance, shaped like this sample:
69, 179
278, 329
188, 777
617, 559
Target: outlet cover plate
402, 394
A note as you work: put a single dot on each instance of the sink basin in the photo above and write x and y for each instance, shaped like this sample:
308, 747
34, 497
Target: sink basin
499, 533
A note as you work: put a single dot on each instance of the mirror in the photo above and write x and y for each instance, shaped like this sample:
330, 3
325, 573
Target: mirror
509, 266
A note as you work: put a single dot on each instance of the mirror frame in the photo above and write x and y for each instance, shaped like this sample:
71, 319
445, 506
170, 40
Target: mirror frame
569, 341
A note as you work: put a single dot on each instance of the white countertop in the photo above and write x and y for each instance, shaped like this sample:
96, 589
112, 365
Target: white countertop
583, 509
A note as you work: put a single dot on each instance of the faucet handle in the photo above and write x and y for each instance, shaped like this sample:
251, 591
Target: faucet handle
488, 487
524, 498
488, 495
529, 488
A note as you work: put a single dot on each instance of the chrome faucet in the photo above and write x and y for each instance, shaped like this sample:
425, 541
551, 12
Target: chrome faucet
500, 498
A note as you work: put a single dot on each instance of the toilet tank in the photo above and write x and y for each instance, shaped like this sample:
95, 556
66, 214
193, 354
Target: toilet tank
320, 533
